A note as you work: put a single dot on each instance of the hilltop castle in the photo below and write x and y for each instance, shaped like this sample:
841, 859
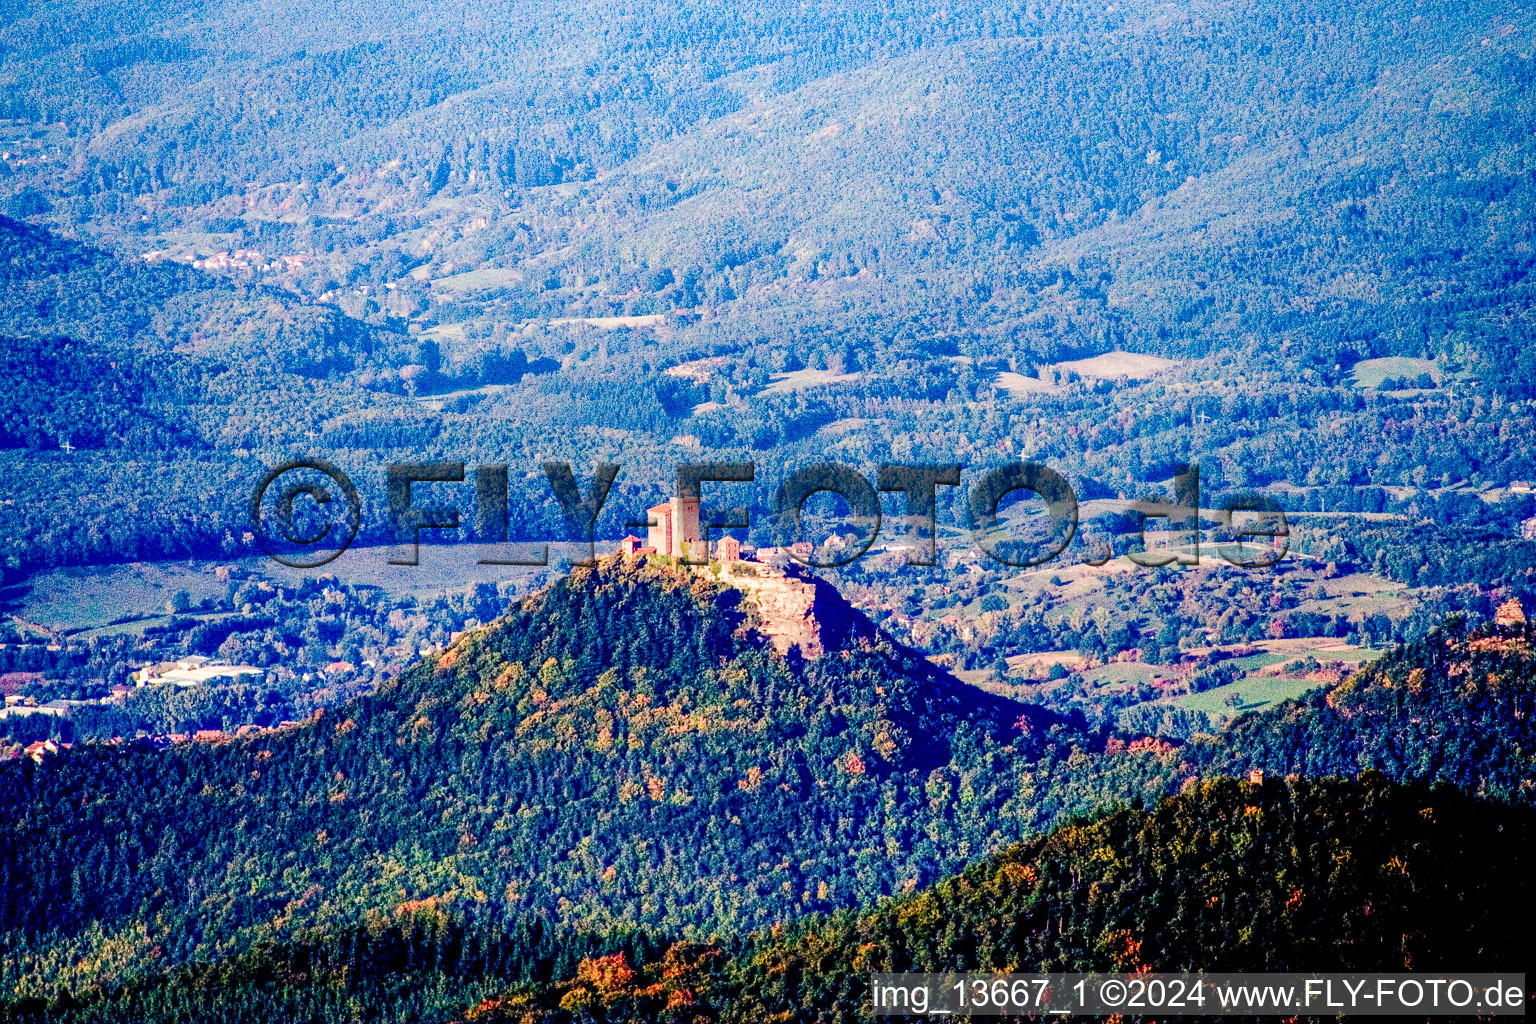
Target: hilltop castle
673, 530
793, 608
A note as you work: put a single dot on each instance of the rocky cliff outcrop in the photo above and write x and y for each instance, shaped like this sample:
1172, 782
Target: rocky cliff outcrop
796, 609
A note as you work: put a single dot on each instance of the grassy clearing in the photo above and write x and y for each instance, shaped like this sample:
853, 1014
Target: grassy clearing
1369, 373
138, 626
1020, 385
698, 369
613, 323
849, 424
1117, 673
483, 279
447, 332
1028, 664
77, 598
783, 382
436, 402
1254, 693
1118, 364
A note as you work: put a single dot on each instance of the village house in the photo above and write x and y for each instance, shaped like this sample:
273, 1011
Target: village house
44, 748
633, 547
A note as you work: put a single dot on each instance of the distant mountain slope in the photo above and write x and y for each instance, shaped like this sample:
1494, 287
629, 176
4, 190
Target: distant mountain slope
58, 286
133, 385
1025, 184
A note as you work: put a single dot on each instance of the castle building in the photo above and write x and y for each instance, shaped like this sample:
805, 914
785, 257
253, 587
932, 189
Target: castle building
728, 549
672, 525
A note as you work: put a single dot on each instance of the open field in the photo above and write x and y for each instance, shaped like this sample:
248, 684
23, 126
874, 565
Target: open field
613, 323
837, 428
79, 599
479, 280
1264, 684
436, 402
1018, 384
806, 379
446, 332
1117, 364
1369, 373
138, 626
1323, 648
1118, 672
1254, 693
1024, 664
76, 598
696, 369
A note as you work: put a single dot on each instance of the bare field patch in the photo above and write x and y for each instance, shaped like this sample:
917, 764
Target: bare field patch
798, 379
1018, 384
613, 323
698, 369
1369, 373
1118, 363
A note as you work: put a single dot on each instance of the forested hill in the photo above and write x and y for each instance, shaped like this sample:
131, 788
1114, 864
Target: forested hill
624, 750
134, 361
1457, 708
1297, 875
1284, 876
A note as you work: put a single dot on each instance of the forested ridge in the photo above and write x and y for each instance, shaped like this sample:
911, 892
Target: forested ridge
623, 751
1281, 876
1287, 875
